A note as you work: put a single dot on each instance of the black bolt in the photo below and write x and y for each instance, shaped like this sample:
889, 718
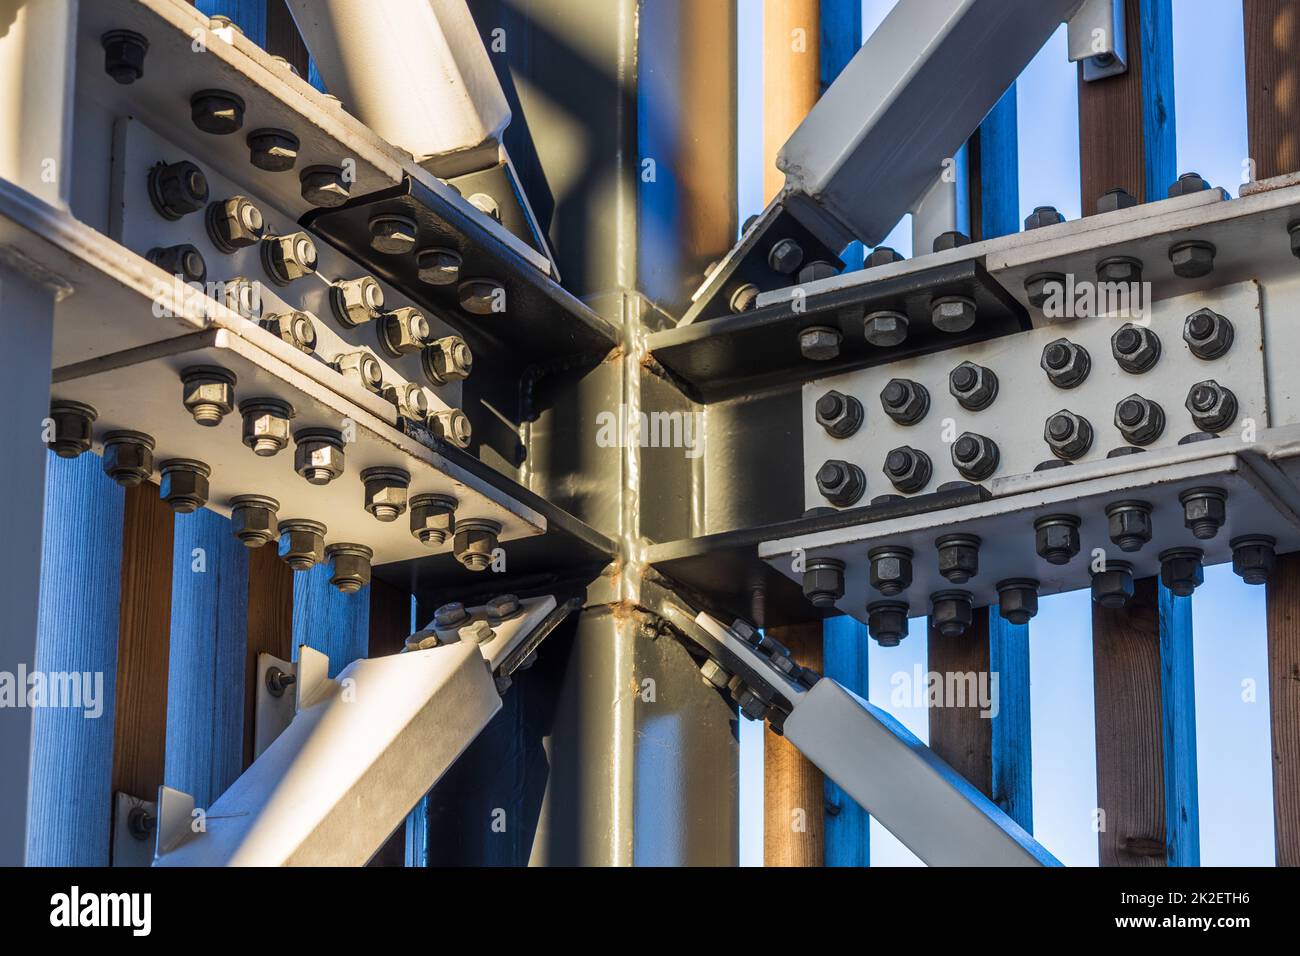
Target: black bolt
177, 189
1040, 287
905, 401
1043, 216
124, 52
1068, 435
1018, 599
184, 260
1129, 524
950, 240
839, 414
959, 557
1181, 571
1253, 557
1118, 198
1213, 407
272, 150
974, 386
1208, 335
1204, 511
217, 111
882, 256
951, 612
908, 469
1065, 363
1192, 259
974, 456
1113, 585
1135, 348
1140, 420
1187, 184
1056, 538
823, 581
840, 482
891, 569
887, 622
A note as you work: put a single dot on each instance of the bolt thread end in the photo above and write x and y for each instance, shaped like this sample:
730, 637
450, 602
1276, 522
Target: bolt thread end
208, 414
475, 561
300, 563
254, 539
318, 476
890, 588
266, 447
66, 448
1205, 529
385, 512
1255, 577
125, 477
1056, 556
1129, 542
428, 536
346, 585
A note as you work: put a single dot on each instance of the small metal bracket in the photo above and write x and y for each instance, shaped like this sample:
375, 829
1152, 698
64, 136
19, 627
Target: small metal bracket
135, 822
273, 710
1097, 38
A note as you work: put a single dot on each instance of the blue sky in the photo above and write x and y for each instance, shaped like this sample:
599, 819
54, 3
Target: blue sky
1233, 746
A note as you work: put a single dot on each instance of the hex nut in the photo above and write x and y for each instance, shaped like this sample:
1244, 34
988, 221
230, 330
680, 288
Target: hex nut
840, 482
253, 519
1129, 524
1213, 407
217, 111
951, 239
128, 457
1056, 538
73, 430
953, 313
481, 296
433, 518
290, 257
324, 186
124, 52
208, 392
1208, 334
1181, 570
974, 386
744, 298
1065, 363
266, 425
821, 343
393, 234
1043, 216
450, 614
302, 543
385, 492
177, 189
882, 256
816, 270
1135, 348
1042, 286
714, 675
885, 329
785, 257
951, 612
823, 581
1186, 184
1140, 420
447, 359
403, 331
1113, 585
438, 266
452, 426
1018, 599
272, 150
1117, 198
318, 454
357, 301
908, 469
891, 569
959, 557
293, 328
1204, 511
184, 261
243, 296
475, 540
1253, 557
349, 566
1120, 269
1192, 259
905, 401
183, 484
975, 456
1068, 435
412, 401
839, 414
502, 606
361, 368
234, 223
887, 622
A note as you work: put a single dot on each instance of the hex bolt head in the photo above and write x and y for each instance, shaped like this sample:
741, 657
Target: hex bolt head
887, 622
1112, 587
882, 256
1129, 524
73, 430
411, 400
1253, 557
452, 426
349, 566
951, 612
208, 392
1043, 216
1042, 286
821, 343
242, 296
184, 261
1065, 363
885, 329
952, 313
1120, 269
1204, 511
386, 492
124, 52
974, 386
253, 519
266, 425
823, 581
1117, 198
908, 469
1208, 334
324, 186
183, 484
474, 542
816, 270
744, 298
128, 457
891, 569
840, 482
177, 189
1181, 571
502, 606
272, 150
482, 296
403, 331
950, 240
234, 223
218, 112
974, 456
450, 614
905, 401
1140, 420
1056, 538
393, 234
293, 328
714, 675
1213, 407
433, 518
959, 557
1068, 435
1018, 599
1192, 259
447, 359
438, 266
839, 414
1186, 184
785, 257
318, 454
1135, 348
290, 257
361, 368
357, 301
302, 543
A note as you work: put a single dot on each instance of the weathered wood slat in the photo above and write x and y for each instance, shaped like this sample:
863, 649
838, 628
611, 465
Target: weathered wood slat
994, 168
270, 625
958, 734
794, 791
1271, 31
1284, 700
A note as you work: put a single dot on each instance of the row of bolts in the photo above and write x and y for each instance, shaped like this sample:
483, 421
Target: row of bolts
208, 393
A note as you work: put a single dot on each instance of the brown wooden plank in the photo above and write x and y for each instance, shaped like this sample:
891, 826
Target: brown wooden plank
1284, 700
791, 77
282, 37
390, 625
270, 624
1271, 31
140, 726
958, 734
794, 795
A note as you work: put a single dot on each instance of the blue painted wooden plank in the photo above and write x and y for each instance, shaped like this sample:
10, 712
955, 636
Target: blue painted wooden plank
999, 170
1178, 708
841, 38
1012, 763
329, 621
209, 639
248, 15
848, 826
1158, 130
72, 747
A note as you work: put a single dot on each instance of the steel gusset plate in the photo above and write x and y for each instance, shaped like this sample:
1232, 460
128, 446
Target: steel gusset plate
724, 357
